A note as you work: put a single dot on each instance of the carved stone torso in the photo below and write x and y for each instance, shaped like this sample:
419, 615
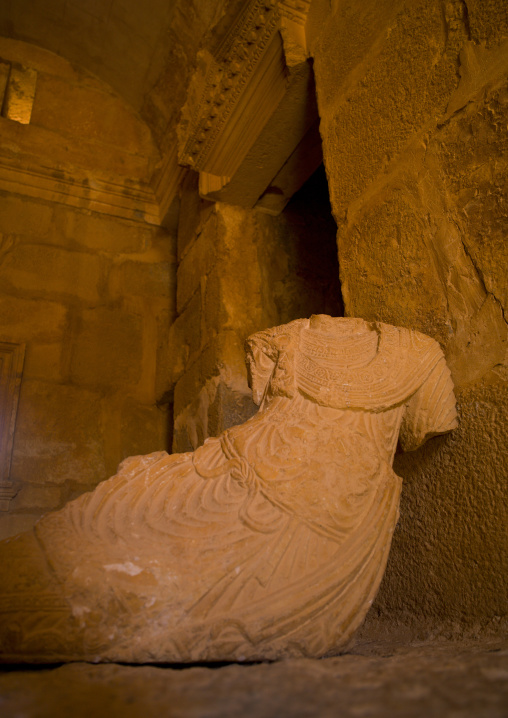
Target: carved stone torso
270, 540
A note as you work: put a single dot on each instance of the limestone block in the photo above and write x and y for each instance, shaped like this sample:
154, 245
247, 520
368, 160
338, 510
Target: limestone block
58, 435
223, 354
143, 429
212, 394
32, 497
143, 279
183, 340
194, 212
439, 260
488, 21
392, 76
53, 273
199, 260
472, 151
13, 524
37, 320
45, 361
267, 542
107, 351
25, 218
97, 232
83, 112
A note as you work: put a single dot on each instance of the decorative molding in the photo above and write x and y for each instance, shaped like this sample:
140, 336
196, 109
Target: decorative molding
11, 369
129, 200
222, 77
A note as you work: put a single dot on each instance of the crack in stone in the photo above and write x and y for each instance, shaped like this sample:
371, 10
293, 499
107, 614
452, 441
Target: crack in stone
480, 276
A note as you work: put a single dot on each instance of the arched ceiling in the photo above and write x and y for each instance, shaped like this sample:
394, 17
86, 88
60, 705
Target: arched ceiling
143, 50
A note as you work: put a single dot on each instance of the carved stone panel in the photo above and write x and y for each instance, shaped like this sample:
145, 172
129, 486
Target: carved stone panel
11, 368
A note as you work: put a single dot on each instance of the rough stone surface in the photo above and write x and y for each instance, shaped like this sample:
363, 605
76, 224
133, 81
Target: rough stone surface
453, 566
107, 349
34, 268
378, 680
58, 435
413, 106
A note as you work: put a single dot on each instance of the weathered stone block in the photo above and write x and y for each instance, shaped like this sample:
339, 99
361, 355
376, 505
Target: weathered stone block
399, 282
184, 339
213, 393
107, 350
31, 320
472, 152
144, 429
198, 261
459, 482
99, 232
25, 217
44, 361
58, 435
53, 273
36, 497
398, 80
144, 279
194, 213
488, 20
86, 111
12, 524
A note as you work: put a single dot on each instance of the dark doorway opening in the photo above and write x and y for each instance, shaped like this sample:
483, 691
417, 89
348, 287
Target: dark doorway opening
314, 232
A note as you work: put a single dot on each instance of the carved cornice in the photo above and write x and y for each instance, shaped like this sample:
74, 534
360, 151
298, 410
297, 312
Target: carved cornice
222, 77
247, 90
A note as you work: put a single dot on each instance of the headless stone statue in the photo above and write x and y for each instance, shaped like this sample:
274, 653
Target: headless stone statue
269, 541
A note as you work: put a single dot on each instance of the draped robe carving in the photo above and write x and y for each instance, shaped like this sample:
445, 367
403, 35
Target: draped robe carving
268, 541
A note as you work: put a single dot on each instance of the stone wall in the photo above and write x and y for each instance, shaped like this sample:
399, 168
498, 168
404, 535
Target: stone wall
92, 297
413, 104
241, 271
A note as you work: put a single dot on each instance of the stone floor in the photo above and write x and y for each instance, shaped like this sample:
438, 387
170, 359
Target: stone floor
419, 680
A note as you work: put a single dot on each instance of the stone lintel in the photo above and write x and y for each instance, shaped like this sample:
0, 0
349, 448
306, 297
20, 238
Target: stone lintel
250, 106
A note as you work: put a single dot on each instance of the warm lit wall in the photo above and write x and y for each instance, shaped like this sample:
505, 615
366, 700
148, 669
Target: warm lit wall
92, 298
85, 282
412, 102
